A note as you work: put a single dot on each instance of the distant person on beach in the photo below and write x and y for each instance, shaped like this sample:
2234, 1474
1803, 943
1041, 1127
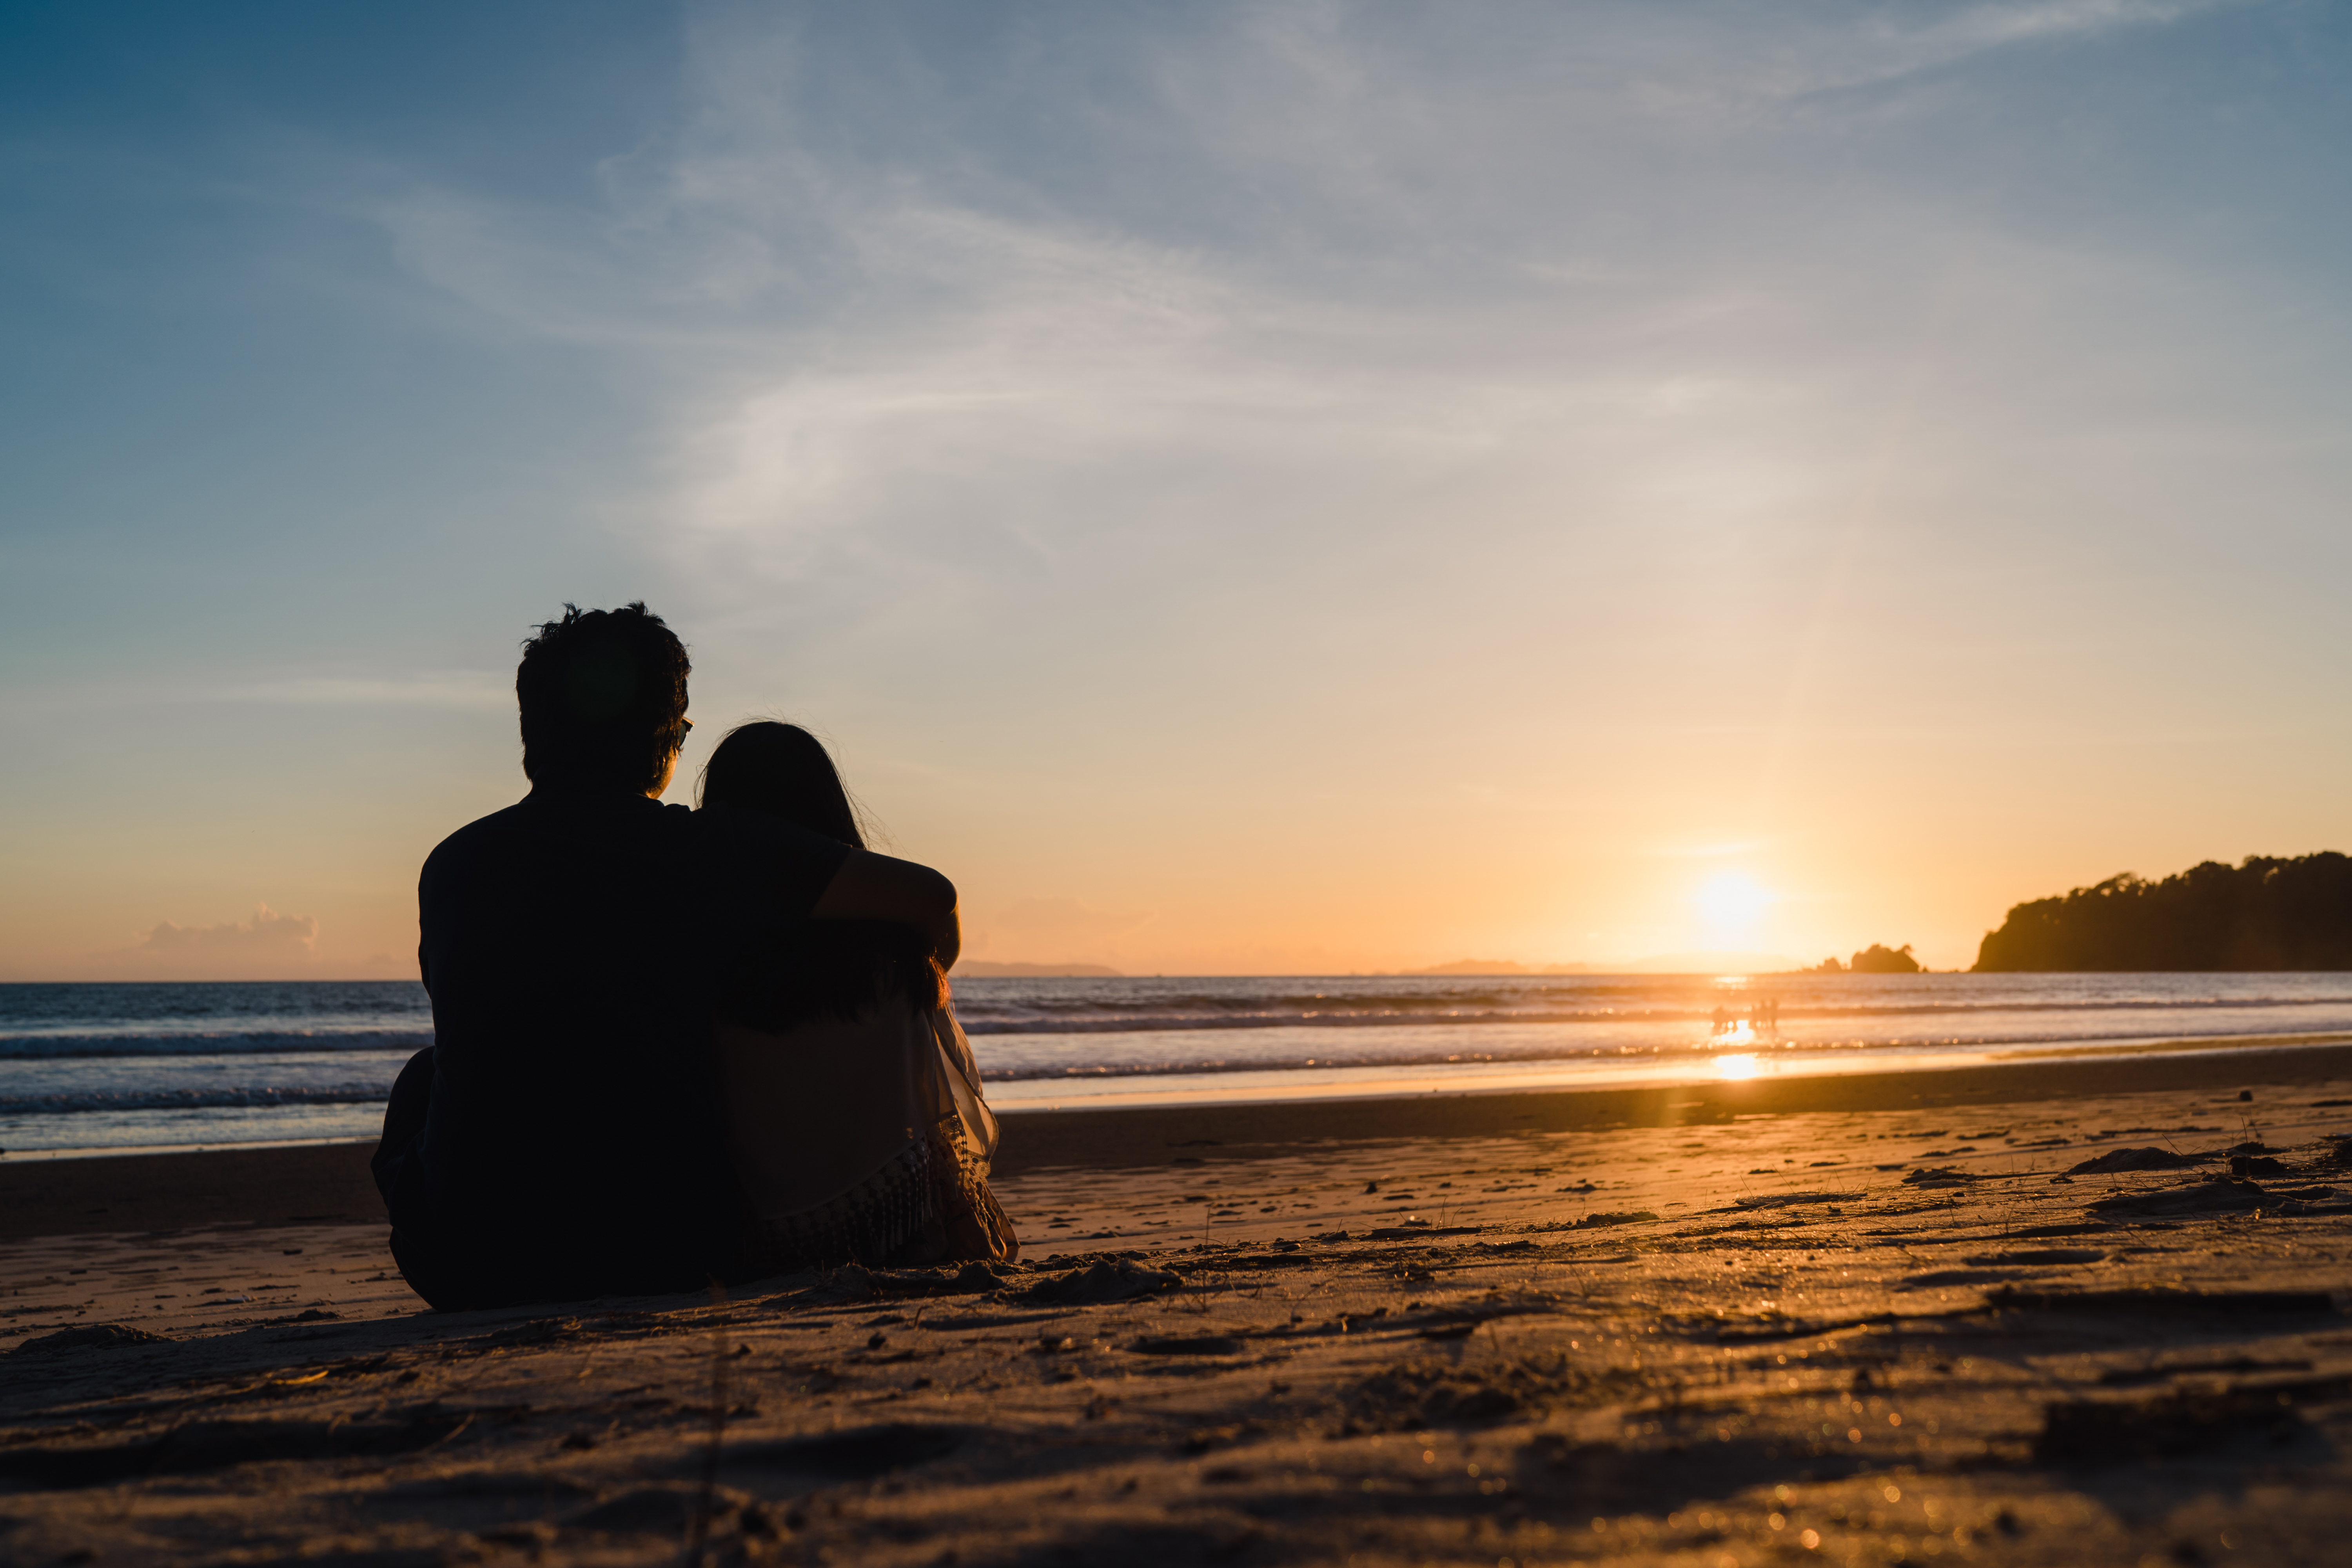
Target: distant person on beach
855, 1123
562, 1136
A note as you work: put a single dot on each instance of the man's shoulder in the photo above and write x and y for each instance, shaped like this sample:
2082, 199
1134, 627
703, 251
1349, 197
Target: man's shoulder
716, 849
477, 835
626, 826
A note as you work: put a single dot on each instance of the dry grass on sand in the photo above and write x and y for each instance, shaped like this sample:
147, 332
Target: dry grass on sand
1846, 1337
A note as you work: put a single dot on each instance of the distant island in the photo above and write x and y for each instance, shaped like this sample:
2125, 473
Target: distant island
1876, 959
982, 969
2266, 914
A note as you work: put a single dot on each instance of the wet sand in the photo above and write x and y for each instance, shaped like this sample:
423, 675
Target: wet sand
1850, 1321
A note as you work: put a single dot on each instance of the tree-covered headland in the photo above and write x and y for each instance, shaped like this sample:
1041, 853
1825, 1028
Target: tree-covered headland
1876, 959
2268, 913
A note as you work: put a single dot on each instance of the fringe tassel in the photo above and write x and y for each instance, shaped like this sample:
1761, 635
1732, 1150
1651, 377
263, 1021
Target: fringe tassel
871, 1222
930, 1202
973, 1224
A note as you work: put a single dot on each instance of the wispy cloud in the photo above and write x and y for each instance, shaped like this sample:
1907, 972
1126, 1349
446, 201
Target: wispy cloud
1360, 255
1976, 27
465, 689
952, 335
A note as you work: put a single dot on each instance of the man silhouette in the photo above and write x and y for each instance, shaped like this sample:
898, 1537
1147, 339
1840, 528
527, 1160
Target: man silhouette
559, 1138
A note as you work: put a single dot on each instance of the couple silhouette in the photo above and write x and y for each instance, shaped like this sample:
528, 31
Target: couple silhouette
675, 1046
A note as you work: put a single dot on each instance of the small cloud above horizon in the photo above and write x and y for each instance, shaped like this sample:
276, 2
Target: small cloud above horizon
267, 932
270, 946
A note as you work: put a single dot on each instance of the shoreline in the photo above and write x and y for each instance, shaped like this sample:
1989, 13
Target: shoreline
1730, 1060
280, 1185
1244, 1088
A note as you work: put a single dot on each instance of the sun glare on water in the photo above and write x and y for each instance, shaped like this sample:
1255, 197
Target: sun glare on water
1734, 1067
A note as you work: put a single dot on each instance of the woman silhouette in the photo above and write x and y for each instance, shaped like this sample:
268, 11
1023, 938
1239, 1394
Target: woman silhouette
854, 1120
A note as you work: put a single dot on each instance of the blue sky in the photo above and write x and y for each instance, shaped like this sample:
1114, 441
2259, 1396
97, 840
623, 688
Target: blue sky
1244, 487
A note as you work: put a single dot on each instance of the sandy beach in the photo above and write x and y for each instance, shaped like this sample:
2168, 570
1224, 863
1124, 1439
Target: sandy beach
1864, 1320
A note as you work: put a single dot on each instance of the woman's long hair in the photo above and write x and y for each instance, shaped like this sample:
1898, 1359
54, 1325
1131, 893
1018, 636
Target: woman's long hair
785, 770
832, 969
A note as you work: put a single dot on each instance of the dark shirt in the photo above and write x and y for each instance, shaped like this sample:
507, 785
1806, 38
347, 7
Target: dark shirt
573, 945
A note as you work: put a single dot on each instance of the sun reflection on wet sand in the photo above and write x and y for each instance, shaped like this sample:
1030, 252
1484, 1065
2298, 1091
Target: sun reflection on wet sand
1022, 1096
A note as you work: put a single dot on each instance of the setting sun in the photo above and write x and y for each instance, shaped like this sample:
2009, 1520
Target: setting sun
1731, 903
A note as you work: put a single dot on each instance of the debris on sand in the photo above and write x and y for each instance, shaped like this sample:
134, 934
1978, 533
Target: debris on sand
90, 1337
2305, 1201
1938, 1176
1784, 1200
1115, 1281
1607, 1217
977, 1277
2143, 1159
1419, 1230
855, 1282
2216, 1194
1945, 1279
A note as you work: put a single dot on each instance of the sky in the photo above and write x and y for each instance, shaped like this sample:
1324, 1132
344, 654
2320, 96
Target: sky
1242, 488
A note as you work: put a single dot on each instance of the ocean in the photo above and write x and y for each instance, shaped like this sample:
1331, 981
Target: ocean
87, 1067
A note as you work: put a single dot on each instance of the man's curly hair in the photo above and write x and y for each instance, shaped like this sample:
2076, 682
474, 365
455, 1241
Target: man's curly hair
603, 694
